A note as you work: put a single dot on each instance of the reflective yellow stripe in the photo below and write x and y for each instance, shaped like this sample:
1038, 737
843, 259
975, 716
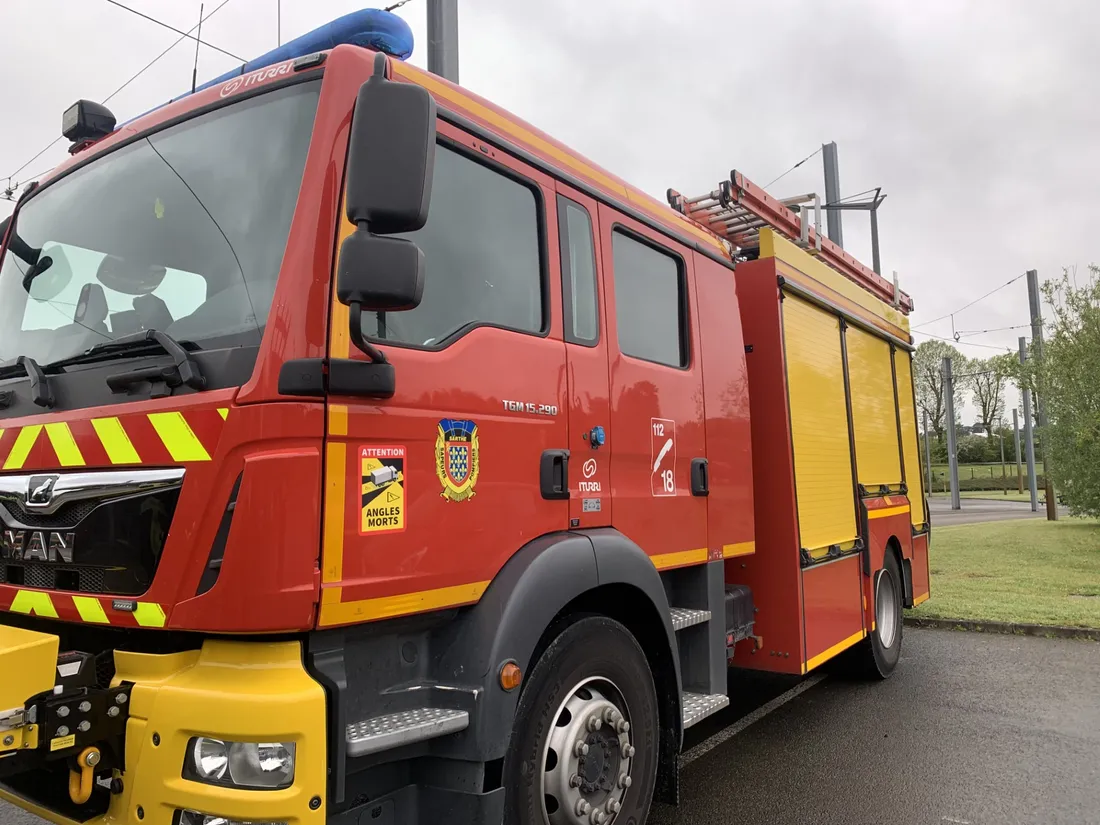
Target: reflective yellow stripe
332, 564
178, 438
61, 437
223, 412
336, 612
33, 603
90, 610
679, 559
113, 437
149, 614
821, 658
921, 599
741, 548
22, 447
888, 511
337, 419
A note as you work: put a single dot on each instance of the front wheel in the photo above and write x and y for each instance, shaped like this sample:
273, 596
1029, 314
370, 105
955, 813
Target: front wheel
584, 743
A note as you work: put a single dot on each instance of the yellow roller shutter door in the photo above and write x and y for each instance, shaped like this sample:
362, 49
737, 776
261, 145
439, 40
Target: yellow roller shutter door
819, 425
914, 478
874, 418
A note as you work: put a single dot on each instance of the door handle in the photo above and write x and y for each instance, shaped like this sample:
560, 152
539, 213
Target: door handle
700, 477
554, 474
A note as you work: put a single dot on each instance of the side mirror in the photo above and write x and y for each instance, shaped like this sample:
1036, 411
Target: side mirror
389, 182
391, 155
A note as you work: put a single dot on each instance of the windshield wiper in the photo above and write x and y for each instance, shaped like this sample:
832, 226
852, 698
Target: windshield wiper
184, 371
40, 385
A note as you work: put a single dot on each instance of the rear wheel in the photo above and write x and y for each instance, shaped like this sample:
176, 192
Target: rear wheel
878, 655
584, 743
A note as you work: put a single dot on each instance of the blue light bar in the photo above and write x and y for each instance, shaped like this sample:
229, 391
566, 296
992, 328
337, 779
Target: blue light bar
375, 29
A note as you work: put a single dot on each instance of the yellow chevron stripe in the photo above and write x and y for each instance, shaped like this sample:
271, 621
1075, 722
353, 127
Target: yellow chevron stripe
178, 437
149, 614
22, 447
113, 437
90, 610
61, 437
223, 412
33, 603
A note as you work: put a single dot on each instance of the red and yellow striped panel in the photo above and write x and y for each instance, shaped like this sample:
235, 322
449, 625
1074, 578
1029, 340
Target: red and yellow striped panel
118, 612
158, 438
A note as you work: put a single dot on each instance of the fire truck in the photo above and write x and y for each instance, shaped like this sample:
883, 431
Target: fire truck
368, 456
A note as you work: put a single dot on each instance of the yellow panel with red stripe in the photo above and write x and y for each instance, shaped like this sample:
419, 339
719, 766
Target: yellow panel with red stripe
168, 437
118, 612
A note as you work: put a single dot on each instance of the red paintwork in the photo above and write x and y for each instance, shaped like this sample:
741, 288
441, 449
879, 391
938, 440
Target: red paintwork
726, 406
920, 566
833, 604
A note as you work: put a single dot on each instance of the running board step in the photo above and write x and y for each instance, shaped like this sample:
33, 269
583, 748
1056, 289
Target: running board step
686, 617
698, 706
383, 733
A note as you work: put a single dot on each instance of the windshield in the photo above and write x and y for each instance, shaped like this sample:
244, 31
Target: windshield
182, 231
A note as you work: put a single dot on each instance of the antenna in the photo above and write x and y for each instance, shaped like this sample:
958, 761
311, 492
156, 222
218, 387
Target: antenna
198, 40
279, 22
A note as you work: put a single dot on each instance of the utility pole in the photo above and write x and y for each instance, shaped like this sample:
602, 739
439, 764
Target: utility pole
1029, 438
1004, 471
949, 414
443, 38
1016, 434
928, 454
832, 191
1035, 305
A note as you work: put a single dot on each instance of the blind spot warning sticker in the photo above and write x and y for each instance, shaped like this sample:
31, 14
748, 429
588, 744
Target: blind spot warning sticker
383, 507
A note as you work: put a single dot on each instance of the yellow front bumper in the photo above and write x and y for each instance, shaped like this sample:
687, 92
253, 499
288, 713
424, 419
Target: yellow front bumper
241, 691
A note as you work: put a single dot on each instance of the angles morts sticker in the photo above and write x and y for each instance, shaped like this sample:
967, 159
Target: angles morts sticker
383, 503
456, 458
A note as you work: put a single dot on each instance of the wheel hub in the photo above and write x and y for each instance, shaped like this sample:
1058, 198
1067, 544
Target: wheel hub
886, 608
588, 757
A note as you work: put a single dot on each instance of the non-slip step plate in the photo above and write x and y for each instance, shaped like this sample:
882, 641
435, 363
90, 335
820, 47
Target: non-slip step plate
383, 733
686, 617
698, 706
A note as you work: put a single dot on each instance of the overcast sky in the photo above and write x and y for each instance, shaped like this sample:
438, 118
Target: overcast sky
978, 119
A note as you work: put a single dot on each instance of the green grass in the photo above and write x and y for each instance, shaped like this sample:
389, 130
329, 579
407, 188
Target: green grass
1031, 571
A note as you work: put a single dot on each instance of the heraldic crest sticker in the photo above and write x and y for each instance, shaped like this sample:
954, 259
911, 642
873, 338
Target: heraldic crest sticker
456, 458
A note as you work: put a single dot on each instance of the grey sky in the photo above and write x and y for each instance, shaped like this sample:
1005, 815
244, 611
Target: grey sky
978, 119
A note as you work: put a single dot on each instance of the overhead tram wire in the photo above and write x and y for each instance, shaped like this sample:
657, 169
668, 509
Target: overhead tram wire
815, 152
142, 71
967, 306
177, 31
963, 343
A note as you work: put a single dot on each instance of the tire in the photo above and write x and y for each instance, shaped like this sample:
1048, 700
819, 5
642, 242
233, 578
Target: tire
877, 656
593, 668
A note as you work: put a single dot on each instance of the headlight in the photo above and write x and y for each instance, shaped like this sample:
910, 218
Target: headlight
196, 818
267, 765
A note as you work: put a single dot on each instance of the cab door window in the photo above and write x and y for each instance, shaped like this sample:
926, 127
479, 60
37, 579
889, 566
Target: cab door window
481, 257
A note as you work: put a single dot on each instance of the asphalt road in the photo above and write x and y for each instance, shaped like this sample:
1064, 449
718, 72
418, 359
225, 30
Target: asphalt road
976, 510
972, 728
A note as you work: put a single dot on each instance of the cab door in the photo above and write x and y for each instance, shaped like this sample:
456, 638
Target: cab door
656, 385
584, 331
430, 492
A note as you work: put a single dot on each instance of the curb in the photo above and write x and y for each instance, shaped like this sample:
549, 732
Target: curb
978, 626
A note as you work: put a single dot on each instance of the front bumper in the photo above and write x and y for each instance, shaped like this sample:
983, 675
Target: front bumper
240, 691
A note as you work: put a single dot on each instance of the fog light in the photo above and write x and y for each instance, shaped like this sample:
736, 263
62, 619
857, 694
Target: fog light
196, 818
262, 765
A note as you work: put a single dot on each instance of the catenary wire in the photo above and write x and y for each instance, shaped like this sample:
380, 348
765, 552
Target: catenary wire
177, 31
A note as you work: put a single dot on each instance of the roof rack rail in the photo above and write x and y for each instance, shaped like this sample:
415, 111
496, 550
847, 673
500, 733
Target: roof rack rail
738, 209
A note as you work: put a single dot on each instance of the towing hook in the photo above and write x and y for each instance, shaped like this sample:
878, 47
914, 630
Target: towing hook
82, 781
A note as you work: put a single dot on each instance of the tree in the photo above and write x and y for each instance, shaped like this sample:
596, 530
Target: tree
1069, 377
986, 382
928, 379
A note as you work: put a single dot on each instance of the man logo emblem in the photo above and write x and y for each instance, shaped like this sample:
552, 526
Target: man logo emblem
457, 460
40, 490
